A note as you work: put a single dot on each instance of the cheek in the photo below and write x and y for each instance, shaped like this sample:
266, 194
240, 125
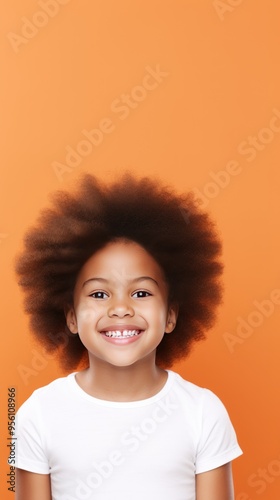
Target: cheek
85, 315
159, 312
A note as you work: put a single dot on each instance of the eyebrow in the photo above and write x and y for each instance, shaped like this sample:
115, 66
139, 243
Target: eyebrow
134, 280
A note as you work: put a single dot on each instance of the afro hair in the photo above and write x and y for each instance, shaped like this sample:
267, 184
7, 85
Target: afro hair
170, 226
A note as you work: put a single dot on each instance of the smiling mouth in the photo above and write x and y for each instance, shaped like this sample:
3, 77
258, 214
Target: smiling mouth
124, 334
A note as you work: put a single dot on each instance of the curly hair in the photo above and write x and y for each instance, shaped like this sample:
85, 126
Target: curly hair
170, 226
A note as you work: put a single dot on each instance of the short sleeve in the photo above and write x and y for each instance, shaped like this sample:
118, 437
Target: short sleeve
30, 448
218, 443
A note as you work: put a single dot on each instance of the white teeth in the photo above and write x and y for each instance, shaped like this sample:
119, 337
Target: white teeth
125, 333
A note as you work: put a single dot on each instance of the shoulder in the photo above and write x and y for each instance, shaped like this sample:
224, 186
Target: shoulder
200, 396
200, 403
50, 394
214, 434
57, 385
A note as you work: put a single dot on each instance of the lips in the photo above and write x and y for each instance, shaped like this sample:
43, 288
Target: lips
121, 328
121, 333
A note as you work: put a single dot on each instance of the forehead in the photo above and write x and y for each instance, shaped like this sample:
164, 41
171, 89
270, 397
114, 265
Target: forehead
121, 261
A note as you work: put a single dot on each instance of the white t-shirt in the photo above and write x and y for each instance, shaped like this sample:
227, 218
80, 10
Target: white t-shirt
141, 450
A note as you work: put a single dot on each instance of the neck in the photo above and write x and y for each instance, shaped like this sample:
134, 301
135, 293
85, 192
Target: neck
129, 383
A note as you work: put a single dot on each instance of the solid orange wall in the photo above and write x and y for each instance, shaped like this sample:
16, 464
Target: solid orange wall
188, 91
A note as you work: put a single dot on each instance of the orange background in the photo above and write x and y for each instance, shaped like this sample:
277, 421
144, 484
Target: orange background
220, 91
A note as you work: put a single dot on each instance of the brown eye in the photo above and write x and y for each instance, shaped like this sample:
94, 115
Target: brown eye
98, 295
142, 294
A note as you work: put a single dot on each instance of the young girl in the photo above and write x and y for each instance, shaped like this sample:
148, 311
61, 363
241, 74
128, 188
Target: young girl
131, 272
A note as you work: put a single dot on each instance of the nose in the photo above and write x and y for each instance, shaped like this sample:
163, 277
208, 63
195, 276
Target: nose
120, 308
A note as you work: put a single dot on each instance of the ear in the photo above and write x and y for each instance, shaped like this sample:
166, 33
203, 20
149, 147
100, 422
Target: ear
171, 318
71, 319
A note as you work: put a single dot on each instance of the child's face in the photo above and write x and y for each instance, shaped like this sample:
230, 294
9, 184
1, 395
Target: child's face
121, 307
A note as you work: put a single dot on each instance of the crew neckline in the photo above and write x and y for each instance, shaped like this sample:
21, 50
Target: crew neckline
122, 404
